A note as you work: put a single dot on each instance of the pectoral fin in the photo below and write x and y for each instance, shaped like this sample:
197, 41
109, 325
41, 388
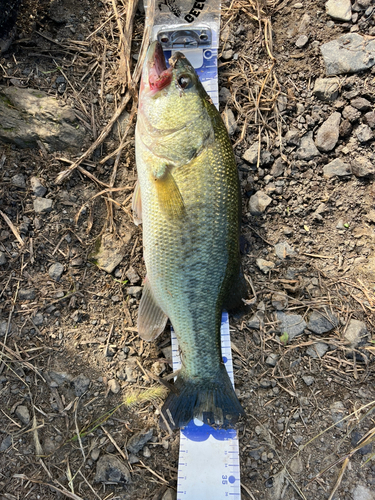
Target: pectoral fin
151, 319
137, 205
169, 196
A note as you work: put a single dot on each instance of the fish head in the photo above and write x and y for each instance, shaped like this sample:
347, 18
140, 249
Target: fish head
173, 107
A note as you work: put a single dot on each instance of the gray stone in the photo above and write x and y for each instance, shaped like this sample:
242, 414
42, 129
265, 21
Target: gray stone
60, 378
279, 301
361, 104
259, 202
272, 359
49, 446
3, 259
351, 114
308, 379
278, 168
229, 120
146, 452
81, 384
30, 115
292, 137
326, 89
341, 10
292, 324
361, 492
338, 413
256, 320
26, 294
95, 454
336, 168
251, 154
307, 151
225, 95
55, 271
362, 167
322, 321
114, 386
110, 469
227, 54
6, 443
369, 119
37, 187
317, 350
265, 265
135, 291
169, 495
22, 412
18, 180
302, 41
284, 250
42, 205
364, 133
356, 333
345, 128
349, 53
132, 275
328, 133
296, 465
108, 253
139, 439
37, 319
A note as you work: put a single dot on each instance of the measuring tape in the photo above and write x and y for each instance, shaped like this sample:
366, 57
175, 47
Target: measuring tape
209, 465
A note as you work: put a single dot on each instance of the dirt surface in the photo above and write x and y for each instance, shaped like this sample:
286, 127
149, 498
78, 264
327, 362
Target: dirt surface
71, 361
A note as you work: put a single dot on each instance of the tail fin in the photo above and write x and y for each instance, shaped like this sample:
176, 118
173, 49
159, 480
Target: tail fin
212, 401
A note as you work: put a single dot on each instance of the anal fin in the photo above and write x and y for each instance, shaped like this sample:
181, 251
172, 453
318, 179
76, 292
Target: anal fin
151, 319
137, 205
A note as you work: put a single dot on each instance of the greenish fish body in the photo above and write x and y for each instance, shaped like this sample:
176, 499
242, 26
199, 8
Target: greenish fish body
188, 199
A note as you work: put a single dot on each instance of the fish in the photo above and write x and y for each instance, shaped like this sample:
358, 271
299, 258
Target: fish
188, 200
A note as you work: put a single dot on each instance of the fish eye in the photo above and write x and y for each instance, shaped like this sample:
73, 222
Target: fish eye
184, 82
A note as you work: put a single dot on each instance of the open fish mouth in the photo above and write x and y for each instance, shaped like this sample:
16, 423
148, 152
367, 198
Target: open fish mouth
159, 76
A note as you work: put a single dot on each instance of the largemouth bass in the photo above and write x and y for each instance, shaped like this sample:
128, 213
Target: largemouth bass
188, 199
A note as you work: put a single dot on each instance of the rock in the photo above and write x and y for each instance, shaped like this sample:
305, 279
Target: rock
345, 128
132, 275
370, 216
292, 324
30, 115
146, 452
227, 55
251, 154
18, 180
349, 53
22, 412
307, 151
351, 114
317, 350
138, 440
38, 319
369, 119
49, 446
337, 413
362, 167
336, 168
3, 259
114, 386
360, 492
229, 120
278, 168
284, 250
26, 294
60, 378
326, 89
364, 133
4, 327
108, 252
279, 301
356, 333
95, 454
37, 187
361, 104
292, 137
328, 133
135, 291
272, 359
81, 384
42, 205
356, 437
169, 495
265, 265
110, 469
302, 41
308, 379
322, 321
296, 465
255, 321
55, 271
341, 10
259, 202
225, 95
6, 443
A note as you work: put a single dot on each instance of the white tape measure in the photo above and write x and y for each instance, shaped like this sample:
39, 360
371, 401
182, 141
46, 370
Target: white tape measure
209, 466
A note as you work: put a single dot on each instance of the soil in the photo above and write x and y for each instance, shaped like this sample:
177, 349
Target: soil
292, 442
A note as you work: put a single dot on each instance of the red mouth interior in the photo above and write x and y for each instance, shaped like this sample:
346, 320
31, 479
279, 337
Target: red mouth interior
159, 76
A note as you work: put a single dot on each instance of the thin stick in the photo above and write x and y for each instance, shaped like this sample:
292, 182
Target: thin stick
13, 228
